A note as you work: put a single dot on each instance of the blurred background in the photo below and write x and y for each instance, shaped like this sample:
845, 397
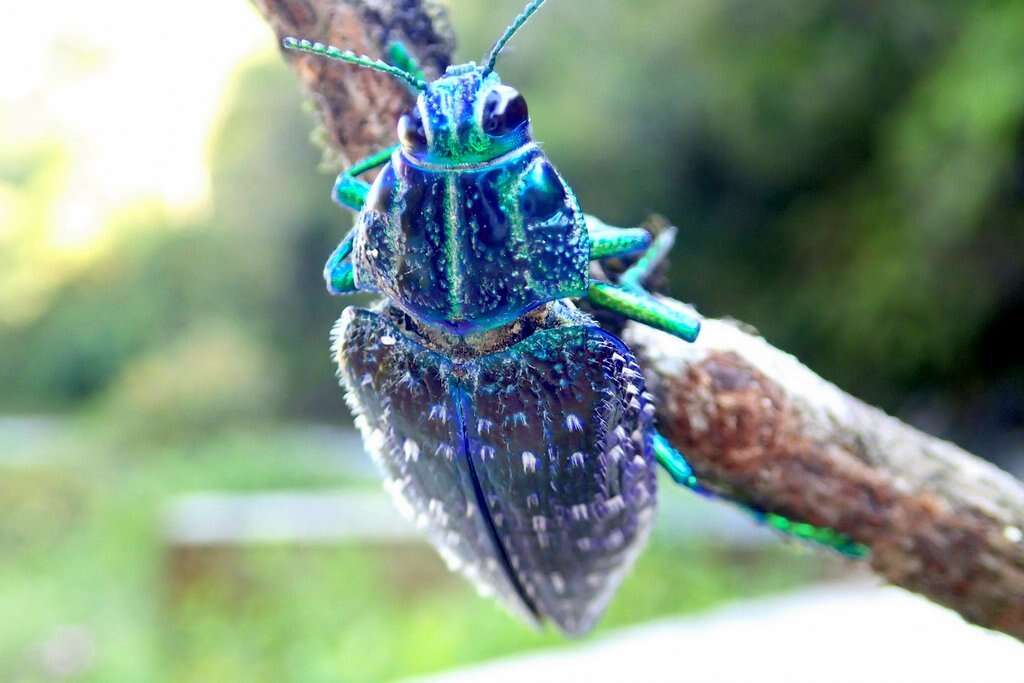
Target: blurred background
181, 495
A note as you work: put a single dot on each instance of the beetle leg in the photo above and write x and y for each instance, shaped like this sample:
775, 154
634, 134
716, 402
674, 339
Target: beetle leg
635, 276
400, 56
349, 190
338, 272
340, 278
679, 469
674, 463
636, 304
607, 241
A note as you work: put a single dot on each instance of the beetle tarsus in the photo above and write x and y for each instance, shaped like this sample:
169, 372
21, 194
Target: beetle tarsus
679, 469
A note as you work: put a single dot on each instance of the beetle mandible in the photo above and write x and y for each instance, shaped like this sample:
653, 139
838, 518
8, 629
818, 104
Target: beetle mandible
508, 424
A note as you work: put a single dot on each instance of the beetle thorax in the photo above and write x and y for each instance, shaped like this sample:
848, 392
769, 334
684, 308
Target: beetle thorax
472, 248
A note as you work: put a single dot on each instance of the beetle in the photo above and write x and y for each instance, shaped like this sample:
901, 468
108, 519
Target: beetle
508, 424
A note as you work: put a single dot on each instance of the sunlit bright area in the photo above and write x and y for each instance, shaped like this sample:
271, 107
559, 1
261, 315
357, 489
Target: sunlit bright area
116, 101
183, 496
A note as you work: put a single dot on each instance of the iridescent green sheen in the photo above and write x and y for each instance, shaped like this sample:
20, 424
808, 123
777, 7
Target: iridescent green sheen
615, 242
673, 462
350, 57
517, 431
371, 162
645, 309
343, 279
516, 24
634, 276
821, 535
399, 56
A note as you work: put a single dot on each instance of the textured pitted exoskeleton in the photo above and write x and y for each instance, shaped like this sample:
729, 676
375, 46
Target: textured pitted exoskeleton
507, 423
472, 248
532, 458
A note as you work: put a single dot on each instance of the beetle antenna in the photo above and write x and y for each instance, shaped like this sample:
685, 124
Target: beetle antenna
516, 24
349, 57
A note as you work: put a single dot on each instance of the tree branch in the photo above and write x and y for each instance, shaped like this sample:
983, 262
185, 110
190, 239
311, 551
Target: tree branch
759, 426
755, 423
358, 107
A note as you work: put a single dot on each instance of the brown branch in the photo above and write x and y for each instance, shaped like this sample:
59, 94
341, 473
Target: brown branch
358, 107
760, 426
756, 424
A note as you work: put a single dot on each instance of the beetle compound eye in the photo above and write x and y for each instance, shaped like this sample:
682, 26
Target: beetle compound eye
542, 194
411, 132
504, 111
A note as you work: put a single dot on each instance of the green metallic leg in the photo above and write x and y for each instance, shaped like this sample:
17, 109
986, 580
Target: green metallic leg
349, 190
628, 297
607, 241
637, 274
675, 464
638, 305
400, 56
338, 272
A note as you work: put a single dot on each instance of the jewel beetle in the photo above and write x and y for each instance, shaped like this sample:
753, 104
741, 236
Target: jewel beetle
513, 429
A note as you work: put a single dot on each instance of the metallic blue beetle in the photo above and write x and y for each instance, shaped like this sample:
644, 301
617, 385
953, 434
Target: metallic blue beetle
511, 427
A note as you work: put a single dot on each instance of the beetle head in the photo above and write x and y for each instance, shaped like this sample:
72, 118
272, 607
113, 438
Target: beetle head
464, 117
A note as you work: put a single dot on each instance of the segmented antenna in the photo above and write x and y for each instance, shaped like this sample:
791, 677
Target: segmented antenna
516, 24
350, 57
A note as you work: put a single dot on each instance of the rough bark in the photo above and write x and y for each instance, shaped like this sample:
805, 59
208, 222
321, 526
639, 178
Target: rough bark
357, 108
755, 423
759, 426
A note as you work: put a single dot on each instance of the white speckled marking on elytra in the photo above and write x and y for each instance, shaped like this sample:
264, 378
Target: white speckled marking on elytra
375, 439
529, 462
615, 504
411, 450
439, 411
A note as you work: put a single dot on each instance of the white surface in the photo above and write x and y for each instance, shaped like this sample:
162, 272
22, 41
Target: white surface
829, 634
285, 517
